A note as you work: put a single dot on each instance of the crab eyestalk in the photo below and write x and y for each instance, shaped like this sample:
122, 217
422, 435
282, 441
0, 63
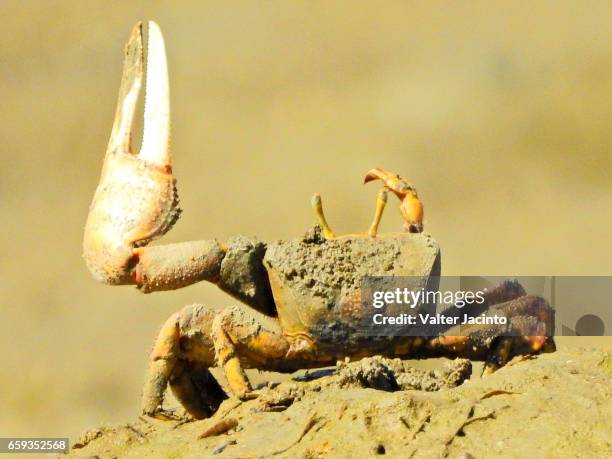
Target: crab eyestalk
317, 205
411, 207
136, 200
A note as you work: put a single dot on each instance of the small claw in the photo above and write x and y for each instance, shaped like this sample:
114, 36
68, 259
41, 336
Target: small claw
136, 199
411, 207
393, 181
374, 174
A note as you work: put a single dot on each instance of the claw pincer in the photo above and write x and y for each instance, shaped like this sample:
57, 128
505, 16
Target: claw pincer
135, 202
136, 199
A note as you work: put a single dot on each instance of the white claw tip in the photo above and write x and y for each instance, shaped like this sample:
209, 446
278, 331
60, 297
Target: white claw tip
156, 133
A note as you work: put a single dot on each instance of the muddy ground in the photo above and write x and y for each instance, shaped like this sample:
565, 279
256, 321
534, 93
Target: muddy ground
552, 405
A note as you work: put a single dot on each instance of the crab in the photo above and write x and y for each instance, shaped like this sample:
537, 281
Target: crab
299, 300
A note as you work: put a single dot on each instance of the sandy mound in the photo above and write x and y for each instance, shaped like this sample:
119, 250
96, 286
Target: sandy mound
552, 405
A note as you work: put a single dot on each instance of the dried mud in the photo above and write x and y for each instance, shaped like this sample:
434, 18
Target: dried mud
395, 374
552, 405
243, 276
321, 268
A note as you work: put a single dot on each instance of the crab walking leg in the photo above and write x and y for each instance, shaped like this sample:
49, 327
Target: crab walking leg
318, 208
499, 355
532, 327
241, 335
181, 356
529, 328
504, 292
381, 202
164, 358
197, 390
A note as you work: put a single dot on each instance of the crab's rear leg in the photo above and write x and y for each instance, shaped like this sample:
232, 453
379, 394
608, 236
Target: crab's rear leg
528, 331
531, 331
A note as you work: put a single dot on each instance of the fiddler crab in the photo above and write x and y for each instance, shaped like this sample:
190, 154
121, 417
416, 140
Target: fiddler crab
299, 298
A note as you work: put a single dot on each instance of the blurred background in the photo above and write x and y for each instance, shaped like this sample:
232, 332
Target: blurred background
499, 112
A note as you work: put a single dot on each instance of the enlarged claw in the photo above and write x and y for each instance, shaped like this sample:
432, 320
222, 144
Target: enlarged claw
136, 199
